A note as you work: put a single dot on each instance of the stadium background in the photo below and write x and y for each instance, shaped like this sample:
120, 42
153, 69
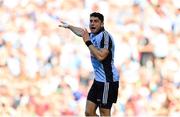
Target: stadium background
45, 71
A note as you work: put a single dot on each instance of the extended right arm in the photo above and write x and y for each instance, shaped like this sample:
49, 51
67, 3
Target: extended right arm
76, 30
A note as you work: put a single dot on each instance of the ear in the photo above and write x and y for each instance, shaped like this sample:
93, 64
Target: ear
102, 24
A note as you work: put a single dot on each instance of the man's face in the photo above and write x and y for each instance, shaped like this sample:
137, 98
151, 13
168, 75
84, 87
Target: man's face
95, 24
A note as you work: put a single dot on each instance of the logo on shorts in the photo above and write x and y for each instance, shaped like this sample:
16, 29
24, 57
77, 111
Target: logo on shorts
98, 100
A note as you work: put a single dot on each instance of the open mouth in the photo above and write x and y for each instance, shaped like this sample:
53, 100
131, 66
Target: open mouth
93, 28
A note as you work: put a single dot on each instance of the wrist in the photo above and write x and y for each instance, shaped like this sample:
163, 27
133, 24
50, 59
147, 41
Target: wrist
66, 25
88, 43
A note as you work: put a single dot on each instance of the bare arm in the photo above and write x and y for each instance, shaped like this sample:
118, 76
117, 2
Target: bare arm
76, 30
100, 54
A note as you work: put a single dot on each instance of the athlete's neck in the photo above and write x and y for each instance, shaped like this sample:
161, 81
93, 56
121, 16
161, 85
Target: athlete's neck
101, 29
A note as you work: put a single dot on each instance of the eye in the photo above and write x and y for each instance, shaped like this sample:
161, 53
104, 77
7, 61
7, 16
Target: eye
95, 20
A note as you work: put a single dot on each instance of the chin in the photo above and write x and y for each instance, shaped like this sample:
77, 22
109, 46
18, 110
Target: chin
93, 31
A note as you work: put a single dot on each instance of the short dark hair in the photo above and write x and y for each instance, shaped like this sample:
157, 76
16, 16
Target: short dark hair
99, 15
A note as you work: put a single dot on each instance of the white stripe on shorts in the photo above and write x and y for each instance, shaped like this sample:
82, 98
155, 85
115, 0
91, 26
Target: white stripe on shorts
105, 92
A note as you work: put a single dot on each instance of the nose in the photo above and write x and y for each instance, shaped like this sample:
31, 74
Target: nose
92, 23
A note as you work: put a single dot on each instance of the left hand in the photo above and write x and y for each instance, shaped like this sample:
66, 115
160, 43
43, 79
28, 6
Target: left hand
64, 24
85, 35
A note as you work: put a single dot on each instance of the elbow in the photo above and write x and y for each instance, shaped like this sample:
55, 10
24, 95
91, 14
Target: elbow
100, 58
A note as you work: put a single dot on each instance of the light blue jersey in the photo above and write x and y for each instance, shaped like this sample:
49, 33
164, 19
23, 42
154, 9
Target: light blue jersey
105, 70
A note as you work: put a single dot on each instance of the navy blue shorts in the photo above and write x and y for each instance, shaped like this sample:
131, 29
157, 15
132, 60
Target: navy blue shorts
103, 94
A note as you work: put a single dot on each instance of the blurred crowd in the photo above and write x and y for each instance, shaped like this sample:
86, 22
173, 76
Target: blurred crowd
45, 71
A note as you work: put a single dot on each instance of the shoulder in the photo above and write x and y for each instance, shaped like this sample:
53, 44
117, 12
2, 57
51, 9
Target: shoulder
106, 34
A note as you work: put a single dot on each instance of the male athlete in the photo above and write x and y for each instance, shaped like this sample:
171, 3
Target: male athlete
104, 90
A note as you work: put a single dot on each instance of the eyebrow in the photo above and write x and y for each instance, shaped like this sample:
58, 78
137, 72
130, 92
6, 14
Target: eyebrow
93, 20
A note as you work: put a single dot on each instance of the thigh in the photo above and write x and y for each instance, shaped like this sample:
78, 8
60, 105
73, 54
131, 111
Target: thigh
90, 108
105, 112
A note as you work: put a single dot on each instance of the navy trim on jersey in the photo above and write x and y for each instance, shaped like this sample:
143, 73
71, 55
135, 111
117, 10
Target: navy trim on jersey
107, 61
